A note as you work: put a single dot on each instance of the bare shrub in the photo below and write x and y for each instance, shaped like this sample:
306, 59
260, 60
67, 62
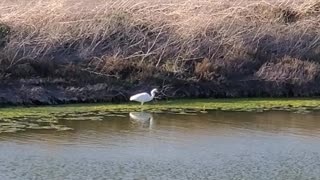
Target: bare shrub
205, 70
289, 70
121, 68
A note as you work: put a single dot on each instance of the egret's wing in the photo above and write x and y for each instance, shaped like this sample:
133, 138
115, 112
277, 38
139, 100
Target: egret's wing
139, 97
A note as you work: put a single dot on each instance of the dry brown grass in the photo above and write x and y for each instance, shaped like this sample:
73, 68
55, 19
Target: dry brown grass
290, 70
108, 38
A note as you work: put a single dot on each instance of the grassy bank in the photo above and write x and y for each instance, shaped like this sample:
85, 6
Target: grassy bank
48, 117
174, 106
210, 48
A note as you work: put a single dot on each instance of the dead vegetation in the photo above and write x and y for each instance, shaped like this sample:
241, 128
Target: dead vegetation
289, 70
221, 42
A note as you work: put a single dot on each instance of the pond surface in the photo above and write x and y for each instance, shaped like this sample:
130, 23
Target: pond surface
216, 145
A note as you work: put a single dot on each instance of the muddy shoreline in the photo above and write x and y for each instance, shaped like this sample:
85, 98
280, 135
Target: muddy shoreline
40, 91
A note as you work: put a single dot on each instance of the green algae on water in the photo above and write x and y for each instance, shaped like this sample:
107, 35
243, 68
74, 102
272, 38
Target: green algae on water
47, 117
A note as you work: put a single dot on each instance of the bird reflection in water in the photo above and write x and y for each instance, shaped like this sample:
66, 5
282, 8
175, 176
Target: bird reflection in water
142, 118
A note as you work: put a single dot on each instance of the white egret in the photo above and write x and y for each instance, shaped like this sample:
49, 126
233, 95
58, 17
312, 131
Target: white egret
143, 97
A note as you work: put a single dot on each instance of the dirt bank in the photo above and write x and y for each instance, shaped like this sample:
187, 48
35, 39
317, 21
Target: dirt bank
49, 91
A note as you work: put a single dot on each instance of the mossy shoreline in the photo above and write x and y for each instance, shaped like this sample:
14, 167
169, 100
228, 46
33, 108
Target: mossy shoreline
16, 119
185, 105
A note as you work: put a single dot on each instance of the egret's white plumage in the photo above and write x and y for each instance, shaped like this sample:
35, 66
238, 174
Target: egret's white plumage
143, 97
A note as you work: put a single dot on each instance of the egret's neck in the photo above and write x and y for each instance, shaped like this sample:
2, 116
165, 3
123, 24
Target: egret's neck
152, 94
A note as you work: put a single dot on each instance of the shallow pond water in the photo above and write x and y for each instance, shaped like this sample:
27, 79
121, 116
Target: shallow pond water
141, 145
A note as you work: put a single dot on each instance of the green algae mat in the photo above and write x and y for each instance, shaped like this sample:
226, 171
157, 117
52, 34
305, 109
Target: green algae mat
13, 119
